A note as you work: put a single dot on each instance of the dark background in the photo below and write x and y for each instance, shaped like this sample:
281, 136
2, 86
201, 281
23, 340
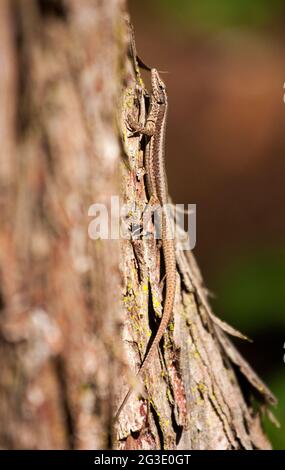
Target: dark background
225, 152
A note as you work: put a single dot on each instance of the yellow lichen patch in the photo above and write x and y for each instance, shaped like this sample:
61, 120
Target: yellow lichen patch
128, 99
202, 387
156, 304
169, 396
146, 384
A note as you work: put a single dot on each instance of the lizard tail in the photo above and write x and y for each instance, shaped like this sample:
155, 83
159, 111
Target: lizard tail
170, 268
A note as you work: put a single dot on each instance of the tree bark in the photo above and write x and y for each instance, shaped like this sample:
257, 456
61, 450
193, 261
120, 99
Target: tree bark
60, 82
193, 396
64, 146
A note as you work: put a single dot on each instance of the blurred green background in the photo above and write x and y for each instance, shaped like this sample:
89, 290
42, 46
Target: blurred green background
211, 15
225, 152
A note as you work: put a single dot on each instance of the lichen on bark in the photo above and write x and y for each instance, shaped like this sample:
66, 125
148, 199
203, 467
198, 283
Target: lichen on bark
191, 396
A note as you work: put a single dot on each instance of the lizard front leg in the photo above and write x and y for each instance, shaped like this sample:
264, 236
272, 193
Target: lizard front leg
148, 129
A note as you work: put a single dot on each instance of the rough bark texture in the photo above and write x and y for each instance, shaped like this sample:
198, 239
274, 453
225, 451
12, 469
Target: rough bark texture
193, 397
63, 65
60, 291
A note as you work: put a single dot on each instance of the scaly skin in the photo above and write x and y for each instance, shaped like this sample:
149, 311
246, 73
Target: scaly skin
155, 128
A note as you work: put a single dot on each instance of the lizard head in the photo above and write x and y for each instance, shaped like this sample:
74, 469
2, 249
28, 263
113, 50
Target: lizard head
158, 87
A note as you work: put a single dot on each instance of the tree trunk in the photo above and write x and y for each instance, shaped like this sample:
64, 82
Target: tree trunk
63, 371
60, 82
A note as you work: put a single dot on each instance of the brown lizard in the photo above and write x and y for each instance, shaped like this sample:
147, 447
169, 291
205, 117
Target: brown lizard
155, 128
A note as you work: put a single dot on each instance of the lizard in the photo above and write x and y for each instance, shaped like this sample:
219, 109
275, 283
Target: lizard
155, 129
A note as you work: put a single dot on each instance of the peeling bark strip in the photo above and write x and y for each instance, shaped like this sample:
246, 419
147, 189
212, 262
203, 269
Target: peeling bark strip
62, 67
61, 72
192, 397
